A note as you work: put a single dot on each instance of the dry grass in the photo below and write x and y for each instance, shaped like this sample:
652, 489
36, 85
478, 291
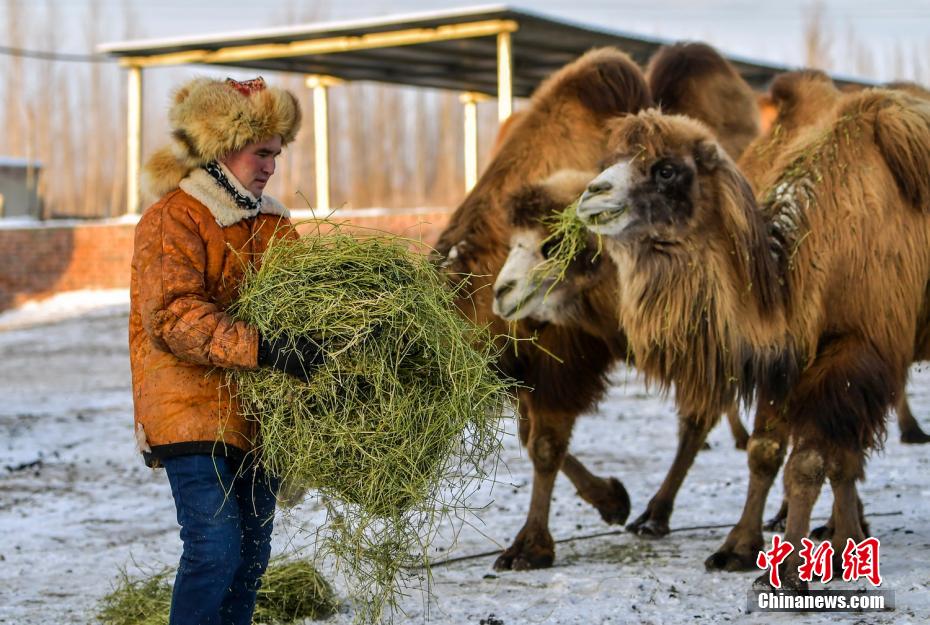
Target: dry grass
397, 423
292, 590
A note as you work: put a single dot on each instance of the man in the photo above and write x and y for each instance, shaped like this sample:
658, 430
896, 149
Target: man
192, 248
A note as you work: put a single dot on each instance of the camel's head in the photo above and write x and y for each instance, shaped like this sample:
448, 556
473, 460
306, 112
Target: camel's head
675, 205
531, 284
665, 183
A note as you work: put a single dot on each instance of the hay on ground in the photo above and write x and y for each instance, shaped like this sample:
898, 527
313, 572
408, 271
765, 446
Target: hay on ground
292, 590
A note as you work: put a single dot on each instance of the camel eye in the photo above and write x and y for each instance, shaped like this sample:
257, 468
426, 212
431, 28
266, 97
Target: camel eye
665, 172
548, 247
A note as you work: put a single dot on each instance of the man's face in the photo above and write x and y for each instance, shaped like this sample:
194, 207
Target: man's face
254, 164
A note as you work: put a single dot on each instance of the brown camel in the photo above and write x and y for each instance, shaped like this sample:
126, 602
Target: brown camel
584, 300
800, 100
563, 127
692, 78
811, 303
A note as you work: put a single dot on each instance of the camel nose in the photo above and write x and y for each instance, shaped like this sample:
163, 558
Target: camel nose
503, 289
599, 186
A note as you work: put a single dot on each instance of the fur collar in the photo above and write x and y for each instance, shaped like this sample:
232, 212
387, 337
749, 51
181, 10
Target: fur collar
202, 187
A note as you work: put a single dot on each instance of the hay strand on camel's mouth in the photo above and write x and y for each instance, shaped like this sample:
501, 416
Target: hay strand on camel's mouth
567, 239
292, 590
392, 429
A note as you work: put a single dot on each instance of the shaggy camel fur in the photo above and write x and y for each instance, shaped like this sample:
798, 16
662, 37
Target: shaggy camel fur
564, 127
811, 302
690, 78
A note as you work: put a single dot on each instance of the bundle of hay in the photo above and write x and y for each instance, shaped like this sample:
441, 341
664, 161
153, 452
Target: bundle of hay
292, 590
401, 416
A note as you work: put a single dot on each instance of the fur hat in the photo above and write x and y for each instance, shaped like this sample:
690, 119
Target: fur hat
211, 118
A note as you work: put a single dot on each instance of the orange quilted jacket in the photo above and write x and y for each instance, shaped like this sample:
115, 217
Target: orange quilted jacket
187, 266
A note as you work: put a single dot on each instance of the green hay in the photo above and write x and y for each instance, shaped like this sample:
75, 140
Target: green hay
395, 426
138, 601
292, 590
568, 237
566, 240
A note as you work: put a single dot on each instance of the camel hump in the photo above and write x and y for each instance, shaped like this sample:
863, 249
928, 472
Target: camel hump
605, 80
909, 87
673, 67
790, 87
693, 79
902, 134
803, 97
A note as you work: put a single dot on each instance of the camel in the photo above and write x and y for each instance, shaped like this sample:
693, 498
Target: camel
810, 302
800, 100
584, 301
692, 78
563, 127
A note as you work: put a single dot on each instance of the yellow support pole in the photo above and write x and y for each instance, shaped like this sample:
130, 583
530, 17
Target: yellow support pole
320, 84
504, 76
470, 99
133, 139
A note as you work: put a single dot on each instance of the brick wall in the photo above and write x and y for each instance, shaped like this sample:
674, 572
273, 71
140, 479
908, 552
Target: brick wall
38, 261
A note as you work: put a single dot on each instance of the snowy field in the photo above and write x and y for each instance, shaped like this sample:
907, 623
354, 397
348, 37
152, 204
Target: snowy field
77, 504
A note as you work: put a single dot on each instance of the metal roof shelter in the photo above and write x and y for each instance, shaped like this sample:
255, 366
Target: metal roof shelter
486, 51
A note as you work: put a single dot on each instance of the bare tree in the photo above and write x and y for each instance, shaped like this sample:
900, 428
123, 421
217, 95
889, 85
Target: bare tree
818, 40
14, 117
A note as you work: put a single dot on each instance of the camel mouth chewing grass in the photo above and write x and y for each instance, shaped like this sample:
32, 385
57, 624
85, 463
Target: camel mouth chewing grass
604, 206
526, 281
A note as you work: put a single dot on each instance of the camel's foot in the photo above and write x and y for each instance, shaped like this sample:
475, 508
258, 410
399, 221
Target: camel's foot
614, 509
527, 552
775, 524
822, 532
828, 531
736, 554
649, 524
914, 437
790, 582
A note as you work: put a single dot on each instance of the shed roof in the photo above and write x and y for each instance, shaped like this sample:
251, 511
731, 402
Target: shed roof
541, 45
13, 162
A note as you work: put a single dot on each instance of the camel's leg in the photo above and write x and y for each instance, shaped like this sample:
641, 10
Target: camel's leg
804, 475
826, 531
692, 432
847, 518
607, 495
740, 435
822, 532
777, 522
838, 405
765, 453
547, 442
911, 433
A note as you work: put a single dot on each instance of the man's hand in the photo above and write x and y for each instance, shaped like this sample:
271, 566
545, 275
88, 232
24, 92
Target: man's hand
294, 355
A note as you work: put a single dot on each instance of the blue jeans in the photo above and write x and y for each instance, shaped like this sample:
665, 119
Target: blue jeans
225, 524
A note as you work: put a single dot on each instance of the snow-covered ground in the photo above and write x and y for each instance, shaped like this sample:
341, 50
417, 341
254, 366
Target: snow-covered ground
76, 502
